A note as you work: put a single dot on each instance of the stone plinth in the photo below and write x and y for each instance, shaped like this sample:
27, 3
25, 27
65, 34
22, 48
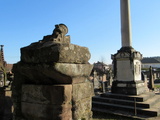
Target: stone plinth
82, 101
56, 73
51, 80
127, 71
68, 101
47, 102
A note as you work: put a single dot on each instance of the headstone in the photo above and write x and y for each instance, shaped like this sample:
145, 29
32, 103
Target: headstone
104, 77
154, 76
104, 83
158, 75
110, 80
146, 83
127, 61
151, 81
95, 81
50, 81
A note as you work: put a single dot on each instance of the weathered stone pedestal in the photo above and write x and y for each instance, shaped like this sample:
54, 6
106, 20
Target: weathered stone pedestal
50, 81
56, 102
127, 71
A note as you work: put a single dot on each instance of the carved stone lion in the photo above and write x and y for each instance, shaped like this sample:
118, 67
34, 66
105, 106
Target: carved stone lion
58, 35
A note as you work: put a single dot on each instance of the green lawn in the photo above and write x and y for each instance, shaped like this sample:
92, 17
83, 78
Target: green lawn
156, 86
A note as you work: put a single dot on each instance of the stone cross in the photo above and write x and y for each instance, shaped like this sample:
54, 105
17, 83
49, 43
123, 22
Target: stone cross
125, 23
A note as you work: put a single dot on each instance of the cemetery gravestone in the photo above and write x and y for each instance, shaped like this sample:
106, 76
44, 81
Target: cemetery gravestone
96, 81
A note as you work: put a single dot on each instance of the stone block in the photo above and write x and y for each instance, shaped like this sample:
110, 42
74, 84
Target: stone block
47, 102
58, 73
73, 69
47, 94
63, 53
128, 87
82, 91
82, 101
35, 111
82, 109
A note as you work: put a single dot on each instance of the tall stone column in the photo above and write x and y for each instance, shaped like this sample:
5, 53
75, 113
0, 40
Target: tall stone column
125, 23
127, 61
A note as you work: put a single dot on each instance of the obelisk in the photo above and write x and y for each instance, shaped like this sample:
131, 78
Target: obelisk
127, 61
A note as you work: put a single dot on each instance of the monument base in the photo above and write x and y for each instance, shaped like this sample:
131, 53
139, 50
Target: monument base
127, 72
128, 87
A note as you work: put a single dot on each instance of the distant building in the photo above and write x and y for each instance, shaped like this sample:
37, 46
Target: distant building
151, 61
9, 67
100, 66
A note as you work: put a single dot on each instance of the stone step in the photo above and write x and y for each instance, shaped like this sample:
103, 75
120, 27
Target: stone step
119, 102
124, 109
138, 98
119, 113
156, 106
147, 104
152, 101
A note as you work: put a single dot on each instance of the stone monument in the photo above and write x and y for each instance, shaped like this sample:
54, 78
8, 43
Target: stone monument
127, 61
50, 81
129, 95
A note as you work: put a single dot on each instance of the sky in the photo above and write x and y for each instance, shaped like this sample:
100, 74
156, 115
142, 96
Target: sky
94, 24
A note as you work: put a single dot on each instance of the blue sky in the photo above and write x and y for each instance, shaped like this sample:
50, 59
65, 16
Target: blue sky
92, 23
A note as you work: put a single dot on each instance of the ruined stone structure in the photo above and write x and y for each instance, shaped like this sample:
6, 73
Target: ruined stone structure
50, 81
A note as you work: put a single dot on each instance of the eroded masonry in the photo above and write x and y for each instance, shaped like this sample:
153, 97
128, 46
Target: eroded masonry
50, 80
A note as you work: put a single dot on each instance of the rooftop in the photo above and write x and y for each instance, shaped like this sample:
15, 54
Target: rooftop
151, 60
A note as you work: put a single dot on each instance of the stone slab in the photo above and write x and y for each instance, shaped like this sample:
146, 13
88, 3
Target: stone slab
82, 91
82, 99
58, 73
63, 53
128, 87
47, 94
82, 109
33, 111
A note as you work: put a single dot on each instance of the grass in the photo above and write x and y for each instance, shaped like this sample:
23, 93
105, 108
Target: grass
156, 86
